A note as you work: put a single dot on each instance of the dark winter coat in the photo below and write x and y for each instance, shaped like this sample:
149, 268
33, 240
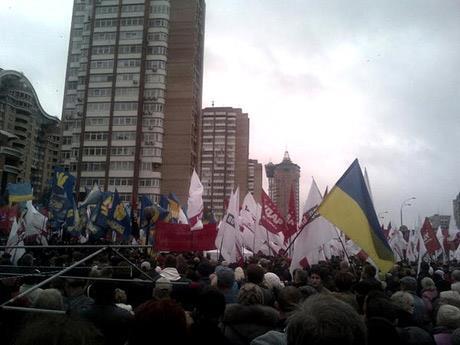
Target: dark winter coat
241, 324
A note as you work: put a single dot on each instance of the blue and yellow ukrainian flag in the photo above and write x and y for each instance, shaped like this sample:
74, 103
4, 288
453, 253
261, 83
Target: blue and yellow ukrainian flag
349, 207
18, 192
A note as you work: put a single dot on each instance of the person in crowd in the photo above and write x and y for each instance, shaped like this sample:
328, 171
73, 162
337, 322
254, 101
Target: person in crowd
429, 293
62, 329
344, 283
49, 299
225, 283
248, 318
273, 283
255, 274
420, 315
75, 299
404, 301
316, 278
440, 280
162, 289
121, 299
288, 299
239, 276
159, 322
424, 272
207, 315
300, 277
323, 319
447, 320
114, 323
455, 276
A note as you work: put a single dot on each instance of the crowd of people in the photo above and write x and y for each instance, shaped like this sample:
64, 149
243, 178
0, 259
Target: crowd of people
188, 298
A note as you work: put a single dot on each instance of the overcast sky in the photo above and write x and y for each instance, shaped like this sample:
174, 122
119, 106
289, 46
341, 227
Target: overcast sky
328, 80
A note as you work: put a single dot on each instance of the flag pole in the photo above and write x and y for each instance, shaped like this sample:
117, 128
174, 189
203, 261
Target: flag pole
313, 216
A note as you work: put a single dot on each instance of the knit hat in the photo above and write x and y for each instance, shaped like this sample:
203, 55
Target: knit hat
163, 284
271, 280
146, 266
448, 316
250, 294
225, 277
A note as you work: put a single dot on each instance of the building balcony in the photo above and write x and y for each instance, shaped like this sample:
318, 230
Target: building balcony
11, 169
11, 152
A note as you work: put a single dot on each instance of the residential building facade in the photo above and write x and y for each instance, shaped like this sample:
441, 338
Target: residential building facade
224, 155
255, 179
121, 125
30, 137
456, 206
281, 178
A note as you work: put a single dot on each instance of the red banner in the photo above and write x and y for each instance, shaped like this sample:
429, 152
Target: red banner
271, 219
179, 238
429, 237
291, 220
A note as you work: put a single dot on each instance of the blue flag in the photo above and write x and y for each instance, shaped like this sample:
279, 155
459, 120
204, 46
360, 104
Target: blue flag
62, 206
118, 218
151, 213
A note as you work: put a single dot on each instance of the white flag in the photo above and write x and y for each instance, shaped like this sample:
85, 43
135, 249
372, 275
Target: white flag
226, 240
248, 218
16, 238
308, 245
195, 203
35, 223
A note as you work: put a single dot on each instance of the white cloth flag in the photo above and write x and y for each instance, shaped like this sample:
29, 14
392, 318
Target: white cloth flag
16, 238
308, 247
226, 240
35, 223
195, 203
260, 235
248, 218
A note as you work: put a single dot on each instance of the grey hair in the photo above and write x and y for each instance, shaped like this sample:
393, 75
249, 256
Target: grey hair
50, 299
323, 320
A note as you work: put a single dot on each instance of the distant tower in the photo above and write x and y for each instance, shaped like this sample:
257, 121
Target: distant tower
280, 179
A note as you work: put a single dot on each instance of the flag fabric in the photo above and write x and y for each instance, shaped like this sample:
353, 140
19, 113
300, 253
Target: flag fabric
208, 216
34, 224
195, 203
291, 219
226, 240
271, 218
118, 218
62, 206
16, 238
179, 237
308, 246
151, 213
18, 192
429, 238
349, 207
248, 218
98, 223
176, 213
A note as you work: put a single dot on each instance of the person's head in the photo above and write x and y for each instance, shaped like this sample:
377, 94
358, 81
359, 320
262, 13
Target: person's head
416, 336
74, 287
378, 305
450, 297
455, 276
369, 271
427, 283
255, 274
49, 299
145, 266
62, 329
272, 281
288, 299
162, 289
170, 261
205, 269
408, 284
322, 320
344, 266
300, 277
315, 278
210, 306
163, 319
239, 274
120, 296
404, 301
225, 278
250, 294
448, 316
343, 281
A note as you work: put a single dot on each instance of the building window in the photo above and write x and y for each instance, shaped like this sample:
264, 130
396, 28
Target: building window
103, 92
157, 36
123, 151
153, 94
123, 136
158, 23
155, 65
157, 50
106, 9
163, 9
153, 107
96, 136
103, 50
98, 107
100, 78
104, 36
105, 23
125, 63
131, 49
132, 21
132, 8
125, 106
130, 35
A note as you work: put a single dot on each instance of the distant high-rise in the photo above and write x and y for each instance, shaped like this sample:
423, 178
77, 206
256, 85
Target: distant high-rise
456, 204
30, 137
438, 220
281, 177
224, 155
132, 97
255, 179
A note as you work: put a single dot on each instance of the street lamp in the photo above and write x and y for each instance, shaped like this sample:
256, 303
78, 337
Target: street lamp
405, 203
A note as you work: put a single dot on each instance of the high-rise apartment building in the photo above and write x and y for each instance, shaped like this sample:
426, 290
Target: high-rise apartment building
456, 206
133, 95
255, 179
439, 220
224, 155
281, 178
30, 136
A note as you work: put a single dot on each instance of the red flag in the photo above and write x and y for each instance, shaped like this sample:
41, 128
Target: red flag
291, 220
179, 238
429, 237
271, 218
